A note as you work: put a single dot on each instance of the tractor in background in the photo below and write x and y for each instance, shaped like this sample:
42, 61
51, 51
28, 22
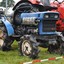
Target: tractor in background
60, 8
60, 23
32, 25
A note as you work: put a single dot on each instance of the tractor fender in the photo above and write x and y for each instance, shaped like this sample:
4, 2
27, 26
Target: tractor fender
8, 26
18, 4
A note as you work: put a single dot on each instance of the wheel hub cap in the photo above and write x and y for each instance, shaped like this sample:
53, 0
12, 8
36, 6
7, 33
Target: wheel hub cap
26, 47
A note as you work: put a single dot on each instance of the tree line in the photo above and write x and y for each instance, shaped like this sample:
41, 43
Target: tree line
9, 3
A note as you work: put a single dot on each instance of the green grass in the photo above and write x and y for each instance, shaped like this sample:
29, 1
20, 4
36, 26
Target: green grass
13, 57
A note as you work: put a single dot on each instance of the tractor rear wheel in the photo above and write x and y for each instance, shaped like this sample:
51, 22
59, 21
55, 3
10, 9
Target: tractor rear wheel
5, 41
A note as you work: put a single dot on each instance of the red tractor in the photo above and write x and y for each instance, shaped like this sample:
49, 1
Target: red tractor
60, 9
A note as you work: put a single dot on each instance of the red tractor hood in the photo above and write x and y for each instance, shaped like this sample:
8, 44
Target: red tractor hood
61, 10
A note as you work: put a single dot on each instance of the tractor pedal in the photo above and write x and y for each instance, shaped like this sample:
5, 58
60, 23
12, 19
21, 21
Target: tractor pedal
16, 36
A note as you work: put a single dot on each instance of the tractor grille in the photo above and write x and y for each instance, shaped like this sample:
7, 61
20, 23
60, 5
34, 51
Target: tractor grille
49, 26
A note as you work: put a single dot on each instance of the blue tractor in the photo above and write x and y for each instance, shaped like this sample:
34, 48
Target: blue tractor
30, 27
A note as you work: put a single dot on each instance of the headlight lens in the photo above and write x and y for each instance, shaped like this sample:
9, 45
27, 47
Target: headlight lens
49, 16
46, 16
56, 16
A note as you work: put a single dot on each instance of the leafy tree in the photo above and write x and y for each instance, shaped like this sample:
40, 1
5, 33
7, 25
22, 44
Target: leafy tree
10, 2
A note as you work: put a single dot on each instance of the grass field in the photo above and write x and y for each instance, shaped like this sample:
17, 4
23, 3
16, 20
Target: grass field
13, 57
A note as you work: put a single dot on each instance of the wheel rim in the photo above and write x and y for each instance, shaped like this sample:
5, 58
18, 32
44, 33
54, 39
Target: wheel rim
1, 38
26, 48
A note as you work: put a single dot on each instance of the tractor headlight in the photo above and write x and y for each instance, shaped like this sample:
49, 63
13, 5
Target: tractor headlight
51, 16
56, 16
46, 16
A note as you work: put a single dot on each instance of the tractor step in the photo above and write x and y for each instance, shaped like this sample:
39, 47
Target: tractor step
17, 37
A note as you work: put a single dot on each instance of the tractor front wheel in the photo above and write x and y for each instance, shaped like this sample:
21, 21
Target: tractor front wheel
28, 48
